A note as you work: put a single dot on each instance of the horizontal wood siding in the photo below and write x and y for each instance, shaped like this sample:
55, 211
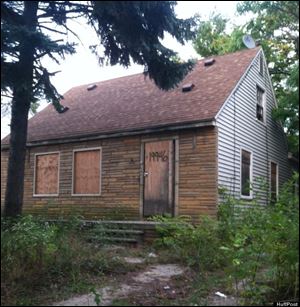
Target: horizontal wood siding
119, 197
198, 173
4, 163
120, 178
238, 128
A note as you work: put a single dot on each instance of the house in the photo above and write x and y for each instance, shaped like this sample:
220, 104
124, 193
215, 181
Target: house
125, 149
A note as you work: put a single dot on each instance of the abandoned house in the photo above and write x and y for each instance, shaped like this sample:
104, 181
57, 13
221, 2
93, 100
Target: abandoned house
125, 149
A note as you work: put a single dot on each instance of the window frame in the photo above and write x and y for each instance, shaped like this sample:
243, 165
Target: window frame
34, 174
250, 196
270, 179
100, 170
263, 104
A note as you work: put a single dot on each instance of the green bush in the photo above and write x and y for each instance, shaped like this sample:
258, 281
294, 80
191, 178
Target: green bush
261, 245
195, 245
27, 246
39, 258
258, 246
32, 248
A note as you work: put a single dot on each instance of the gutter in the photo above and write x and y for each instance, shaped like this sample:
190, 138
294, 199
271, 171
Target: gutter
165, 128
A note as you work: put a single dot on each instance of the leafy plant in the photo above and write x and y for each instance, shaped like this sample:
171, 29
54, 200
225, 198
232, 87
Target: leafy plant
97, 297
26, 245
258, 246
196, 245
36, 254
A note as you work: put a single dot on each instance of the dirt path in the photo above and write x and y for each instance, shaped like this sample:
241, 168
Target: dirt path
153, 283
135, 282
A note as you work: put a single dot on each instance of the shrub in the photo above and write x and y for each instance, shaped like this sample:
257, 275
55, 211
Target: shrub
262, 245
195, 245
40, 259
258, 246
32, 248
27, 247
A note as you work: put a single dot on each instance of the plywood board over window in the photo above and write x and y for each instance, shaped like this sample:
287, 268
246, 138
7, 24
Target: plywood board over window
86, 172
46, 174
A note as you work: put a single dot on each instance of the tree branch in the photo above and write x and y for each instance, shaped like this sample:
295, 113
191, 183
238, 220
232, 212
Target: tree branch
7, 96
71, 31
52, 30
50, 14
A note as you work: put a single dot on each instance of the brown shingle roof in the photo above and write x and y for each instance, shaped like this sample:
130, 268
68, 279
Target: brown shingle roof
134, 102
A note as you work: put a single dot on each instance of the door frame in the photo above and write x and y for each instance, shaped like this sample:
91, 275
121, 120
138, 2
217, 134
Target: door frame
176, 170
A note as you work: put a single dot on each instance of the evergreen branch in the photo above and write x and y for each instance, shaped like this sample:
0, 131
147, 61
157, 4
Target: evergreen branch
71, 31
11, 16
53, 58
50, 14
7, 96
52, 30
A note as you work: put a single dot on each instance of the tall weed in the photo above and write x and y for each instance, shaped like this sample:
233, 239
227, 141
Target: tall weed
257, 246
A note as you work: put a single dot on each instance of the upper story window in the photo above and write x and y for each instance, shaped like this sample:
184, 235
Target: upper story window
261, 65
246, 174
260, 104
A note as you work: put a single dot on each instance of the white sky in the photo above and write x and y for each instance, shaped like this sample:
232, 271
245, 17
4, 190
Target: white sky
83, 68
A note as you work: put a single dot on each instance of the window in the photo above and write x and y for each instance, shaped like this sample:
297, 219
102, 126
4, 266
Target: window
261, 65
274, 182
246, 173
86, 171
260, 104
46, 174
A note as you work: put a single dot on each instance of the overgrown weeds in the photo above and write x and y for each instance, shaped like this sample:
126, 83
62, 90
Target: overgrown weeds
39, 258
258, 247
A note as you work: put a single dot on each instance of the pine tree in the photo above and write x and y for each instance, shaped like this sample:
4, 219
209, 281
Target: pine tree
129, 31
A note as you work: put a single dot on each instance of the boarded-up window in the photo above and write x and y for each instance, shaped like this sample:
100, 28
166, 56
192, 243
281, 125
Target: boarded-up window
274, 183
86, 178
46, 174
260, 104
246, 173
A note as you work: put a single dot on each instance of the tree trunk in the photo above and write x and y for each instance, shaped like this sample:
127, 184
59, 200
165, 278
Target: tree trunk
22, 98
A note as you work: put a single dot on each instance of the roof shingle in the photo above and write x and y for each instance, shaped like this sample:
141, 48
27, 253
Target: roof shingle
134, 102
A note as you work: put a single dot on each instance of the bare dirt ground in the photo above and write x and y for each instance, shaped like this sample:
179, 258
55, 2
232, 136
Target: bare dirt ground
139, 282
163, 283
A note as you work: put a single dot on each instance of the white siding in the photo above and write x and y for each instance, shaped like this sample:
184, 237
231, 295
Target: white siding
238, 128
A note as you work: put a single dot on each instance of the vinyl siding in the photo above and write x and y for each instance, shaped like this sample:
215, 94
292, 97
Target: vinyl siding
238, 128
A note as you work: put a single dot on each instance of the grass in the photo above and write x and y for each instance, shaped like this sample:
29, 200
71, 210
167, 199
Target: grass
42, 263
81, 267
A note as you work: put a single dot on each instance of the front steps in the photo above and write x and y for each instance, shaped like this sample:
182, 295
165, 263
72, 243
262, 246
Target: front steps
109, 231
106, 234
132, 232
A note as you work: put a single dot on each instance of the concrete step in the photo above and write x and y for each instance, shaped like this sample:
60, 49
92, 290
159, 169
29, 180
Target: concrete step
118, 231
143, 230
114, 239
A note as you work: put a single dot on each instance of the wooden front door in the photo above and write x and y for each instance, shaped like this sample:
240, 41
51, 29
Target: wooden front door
159, 178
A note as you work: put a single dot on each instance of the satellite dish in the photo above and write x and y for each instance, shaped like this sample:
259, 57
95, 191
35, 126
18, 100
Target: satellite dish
249, 42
